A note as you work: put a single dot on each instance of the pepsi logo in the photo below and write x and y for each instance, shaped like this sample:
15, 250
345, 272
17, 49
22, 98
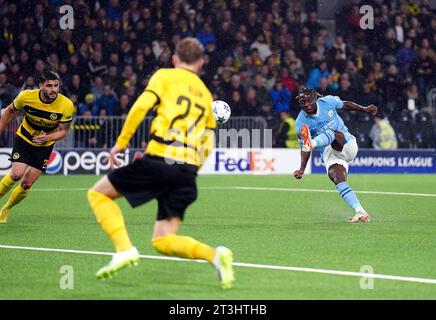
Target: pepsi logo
54, 163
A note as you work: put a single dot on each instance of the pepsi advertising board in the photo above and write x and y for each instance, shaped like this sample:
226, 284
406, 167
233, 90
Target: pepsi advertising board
396, 161
5, 163
79, 161
220, 161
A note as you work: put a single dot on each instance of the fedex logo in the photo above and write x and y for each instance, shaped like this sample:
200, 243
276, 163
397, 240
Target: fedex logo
254, 161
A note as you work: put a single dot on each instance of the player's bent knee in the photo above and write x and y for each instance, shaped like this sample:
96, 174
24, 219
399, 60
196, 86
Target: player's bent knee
334, 175
26, 185
16, 175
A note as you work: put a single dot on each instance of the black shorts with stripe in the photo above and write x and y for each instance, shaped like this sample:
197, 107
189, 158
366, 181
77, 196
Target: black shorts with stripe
36, 157
172, 185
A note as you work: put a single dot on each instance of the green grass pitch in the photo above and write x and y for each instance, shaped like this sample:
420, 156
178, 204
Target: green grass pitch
265, 227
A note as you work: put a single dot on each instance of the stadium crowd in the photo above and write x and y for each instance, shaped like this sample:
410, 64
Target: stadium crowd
258, 53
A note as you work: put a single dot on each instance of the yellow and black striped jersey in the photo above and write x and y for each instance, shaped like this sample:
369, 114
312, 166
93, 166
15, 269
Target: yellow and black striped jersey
40, 116
183, 111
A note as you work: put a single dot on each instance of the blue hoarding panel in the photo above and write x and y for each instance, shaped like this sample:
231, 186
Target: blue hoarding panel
375, 161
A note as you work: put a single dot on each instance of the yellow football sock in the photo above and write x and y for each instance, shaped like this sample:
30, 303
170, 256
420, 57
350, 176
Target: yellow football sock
17, 195
183, 247
109, 215
6, 184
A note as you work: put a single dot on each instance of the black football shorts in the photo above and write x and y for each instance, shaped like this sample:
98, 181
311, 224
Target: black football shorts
173, 185
36, 157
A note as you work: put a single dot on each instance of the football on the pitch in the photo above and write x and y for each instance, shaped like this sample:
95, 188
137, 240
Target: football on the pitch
221, 111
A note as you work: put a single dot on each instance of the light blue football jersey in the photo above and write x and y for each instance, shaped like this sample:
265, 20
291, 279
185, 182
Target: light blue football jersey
325, 118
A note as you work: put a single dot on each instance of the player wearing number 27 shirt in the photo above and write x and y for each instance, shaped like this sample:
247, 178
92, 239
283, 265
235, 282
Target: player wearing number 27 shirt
181, 136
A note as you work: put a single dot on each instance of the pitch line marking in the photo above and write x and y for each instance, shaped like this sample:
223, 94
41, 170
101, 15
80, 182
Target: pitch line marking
268, 189
319, 190
245, 265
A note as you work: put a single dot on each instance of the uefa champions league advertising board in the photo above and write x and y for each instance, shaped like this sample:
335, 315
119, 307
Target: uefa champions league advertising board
398, 161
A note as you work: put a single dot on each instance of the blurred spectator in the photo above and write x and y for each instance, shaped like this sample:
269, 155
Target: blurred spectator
312, 23
392, 88
266, 112
234, 85
124, 106
96, 66
216, 88
324, 87
288, 81
7, 90
206, 35
262, 47
29, 84
262, 93
382, 134
423, 70
85, 131
286, 136
235, 101
107, 101
252, 106
316, 74
345, 91
413, 94
281, 97
97, 87
88, 105
405, 56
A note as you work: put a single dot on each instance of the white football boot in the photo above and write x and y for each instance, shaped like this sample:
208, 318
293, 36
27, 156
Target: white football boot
223, 265
360, 216
120, 260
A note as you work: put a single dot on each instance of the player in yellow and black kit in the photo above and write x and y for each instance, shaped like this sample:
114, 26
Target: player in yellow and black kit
47, 116
182, 136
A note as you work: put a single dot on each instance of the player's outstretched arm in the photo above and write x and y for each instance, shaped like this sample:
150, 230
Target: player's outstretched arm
348, 105
305, 156
6, 117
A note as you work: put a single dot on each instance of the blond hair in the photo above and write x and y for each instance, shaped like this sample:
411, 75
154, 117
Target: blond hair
189, 50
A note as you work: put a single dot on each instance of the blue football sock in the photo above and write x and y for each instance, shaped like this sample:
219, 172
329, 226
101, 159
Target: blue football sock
348, 195
324, 139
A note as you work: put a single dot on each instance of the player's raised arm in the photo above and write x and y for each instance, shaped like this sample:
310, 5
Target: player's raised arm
348, 105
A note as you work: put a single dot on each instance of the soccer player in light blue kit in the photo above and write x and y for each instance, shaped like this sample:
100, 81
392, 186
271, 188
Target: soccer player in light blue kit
319, 126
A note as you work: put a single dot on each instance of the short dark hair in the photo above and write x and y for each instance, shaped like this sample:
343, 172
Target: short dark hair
189, 50
48, 75
307, 95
